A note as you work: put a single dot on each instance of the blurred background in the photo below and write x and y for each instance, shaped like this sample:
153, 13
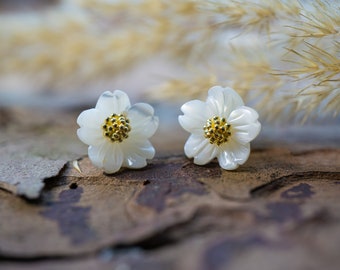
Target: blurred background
281, 56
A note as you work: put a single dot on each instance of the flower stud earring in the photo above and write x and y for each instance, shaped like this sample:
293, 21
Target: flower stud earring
221, 127
117, 133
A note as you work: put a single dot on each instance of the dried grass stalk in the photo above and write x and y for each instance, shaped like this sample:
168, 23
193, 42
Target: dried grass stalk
282, 56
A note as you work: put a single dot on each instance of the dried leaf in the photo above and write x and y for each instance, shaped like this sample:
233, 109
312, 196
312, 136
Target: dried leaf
35, 148
25, 175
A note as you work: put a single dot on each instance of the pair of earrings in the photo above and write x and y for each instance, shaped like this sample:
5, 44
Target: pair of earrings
118, 133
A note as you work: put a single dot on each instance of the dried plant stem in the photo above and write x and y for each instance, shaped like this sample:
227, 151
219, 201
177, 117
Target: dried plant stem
282, 56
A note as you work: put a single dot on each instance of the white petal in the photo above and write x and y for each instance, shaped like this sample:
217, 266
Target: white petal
195, 110
136, 153
143, 148
245, 126
134, 161
242, 116
143, 122
192, 125
97, 154
208, 153
226, 160
200, 149
195, 116
194, 145
91, 118
247, 133
146, 149
116, 102
90, 136
113, 159
239, 153
222, 101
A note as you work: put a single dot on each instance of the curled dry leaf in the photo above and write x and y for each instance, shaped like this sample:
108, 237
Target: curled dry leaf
25, 176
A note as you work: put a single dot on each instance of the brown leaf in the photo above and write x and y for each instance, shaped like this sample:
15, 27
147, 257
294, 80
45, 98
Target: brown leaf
25, 176
35, 147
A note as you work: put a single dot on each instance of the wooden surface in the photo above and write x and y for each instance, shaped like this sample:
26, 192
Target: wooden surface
281, 210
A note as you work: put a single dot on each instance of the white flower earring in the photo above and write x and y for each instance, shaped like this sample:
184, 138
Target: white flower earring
117, 133
221, 127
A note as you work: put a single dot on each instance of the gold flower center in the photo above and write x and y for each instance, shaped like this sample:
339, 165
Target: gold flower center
217, 130
116, 127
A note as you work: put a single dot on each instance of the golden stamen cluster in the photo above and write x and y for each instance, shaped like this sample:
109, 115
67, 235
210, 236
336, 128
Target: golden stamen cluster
217, 130
116, 127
